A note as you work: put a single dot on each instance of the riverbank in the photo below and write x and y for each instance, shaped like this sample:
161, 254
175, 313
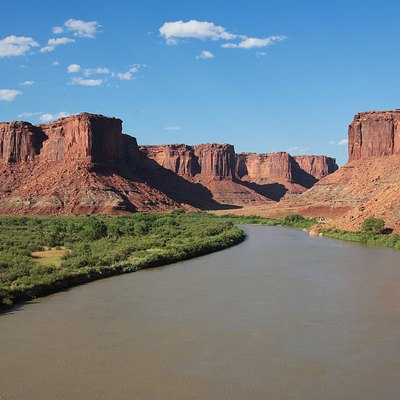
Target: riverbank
99, 247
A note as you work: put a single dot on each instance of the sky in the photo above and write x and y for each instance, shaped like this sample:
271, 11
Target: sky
272, 75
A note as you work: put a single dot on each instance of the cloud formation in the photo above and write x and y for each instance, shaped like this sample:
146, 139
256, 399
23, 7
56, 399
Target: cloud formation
79, 28
173, 128
128, 75
251, 43
47, 117
86, 82
27, 83
173, 31
54, 42
341, 142
98, 70
204, 55
9, 94
14, 46
73, 68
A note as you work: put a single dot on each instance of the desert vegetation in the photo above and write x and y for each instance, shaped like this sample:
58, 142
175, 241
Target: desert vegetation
41, 255
372, 233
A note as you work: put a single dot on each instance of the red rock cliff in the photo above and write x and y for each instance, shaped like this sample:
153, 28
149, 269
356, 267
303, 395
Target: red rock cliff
216, 160
19, 141
264, 167
374, 134
88, 137
317, 166
179, 158
204, 160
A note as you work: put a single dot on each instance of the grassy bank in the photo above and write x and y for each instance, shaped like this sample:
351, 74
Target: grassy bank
368, 238
293, 221
42, 255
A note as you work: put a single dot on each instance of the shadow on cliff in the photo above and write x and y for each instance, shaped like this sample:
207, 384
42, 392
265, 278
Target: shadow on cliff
272, 191
302, 177
172, 185
178, 188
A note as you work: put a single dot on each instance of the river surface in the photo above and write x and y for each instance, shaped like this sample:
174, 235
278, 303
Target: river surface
280, 316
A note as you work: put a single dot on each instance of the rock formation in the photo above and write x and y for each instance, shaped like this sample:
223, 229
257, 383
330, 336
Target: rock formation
367, 186
316, 166
85, 164
374, 134
20, 141
264, 168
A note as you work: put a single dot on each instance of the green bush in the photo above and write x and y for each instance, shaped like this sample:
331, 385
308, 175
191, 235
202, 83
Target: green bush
374, 225
101, 246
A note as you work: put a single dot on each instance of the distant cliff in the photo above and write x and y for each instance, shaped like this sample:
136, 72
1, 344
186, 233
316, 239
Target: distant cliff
374, 134
85, 164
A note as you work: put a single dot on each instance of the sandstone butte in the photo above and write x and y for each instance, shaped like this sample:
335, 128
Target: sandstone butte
85, 164
367, 186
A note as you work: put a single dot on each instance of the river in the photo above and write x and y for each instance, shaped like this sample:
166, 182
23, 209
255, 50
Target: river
281, 316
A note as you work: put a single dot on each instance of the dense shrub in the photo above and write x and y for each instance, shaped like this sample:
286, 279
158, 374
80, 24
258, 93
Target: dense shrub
101, 246
374, 225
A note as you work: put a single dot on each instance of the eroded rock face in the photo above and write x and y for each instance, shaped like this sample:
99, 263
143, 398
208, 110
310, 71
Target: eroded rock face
178, 158
206, 160
262, 168
95, 138
316, 166
216, 160
20, 141
374, 134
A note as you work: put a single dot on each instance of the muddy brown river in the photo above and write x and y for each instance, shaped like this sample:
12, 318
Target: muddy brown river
282, 316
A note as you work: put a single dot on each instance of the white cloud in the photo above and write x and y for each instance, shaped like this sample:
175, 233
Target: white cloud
28, 114
128, 75
47, 117
81, 28
57, 30
57, 41
54, 42
173, 31
47, 49
86, 82
341, 142
72, 68
9, 94
251, 43
14, 46
98, 70
298, 149
205, 55
173, 128
27, 83
56, 63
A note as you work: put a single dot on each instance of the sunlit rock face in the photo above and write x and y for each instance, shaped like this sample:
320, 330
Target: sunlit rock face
374, 134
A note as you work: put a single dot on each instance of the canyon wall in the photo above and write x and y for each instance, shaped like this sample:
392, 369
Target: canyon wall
262, 168
84, 163
89, 137
20, 141
374, 134
218, 162
316, 166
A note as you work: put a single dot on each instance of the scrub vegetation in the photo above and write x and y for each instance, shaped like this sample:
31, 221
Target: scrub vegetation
42, 255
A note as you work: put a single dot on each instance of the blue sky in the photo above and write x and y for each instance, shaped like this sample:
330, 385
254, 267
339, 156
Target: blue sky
263, 75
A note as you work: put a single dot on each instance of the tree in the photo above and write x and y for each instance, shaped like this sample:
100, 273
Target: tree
373, 225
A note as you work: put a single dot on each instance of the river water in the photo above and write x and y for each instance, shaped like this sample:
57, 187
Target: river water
280, 316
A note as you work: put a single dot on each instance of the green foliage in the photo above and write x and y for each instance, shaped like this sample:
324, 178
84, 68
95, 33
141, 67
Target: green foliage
293, 220
368, 238
374, 225
101, 246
